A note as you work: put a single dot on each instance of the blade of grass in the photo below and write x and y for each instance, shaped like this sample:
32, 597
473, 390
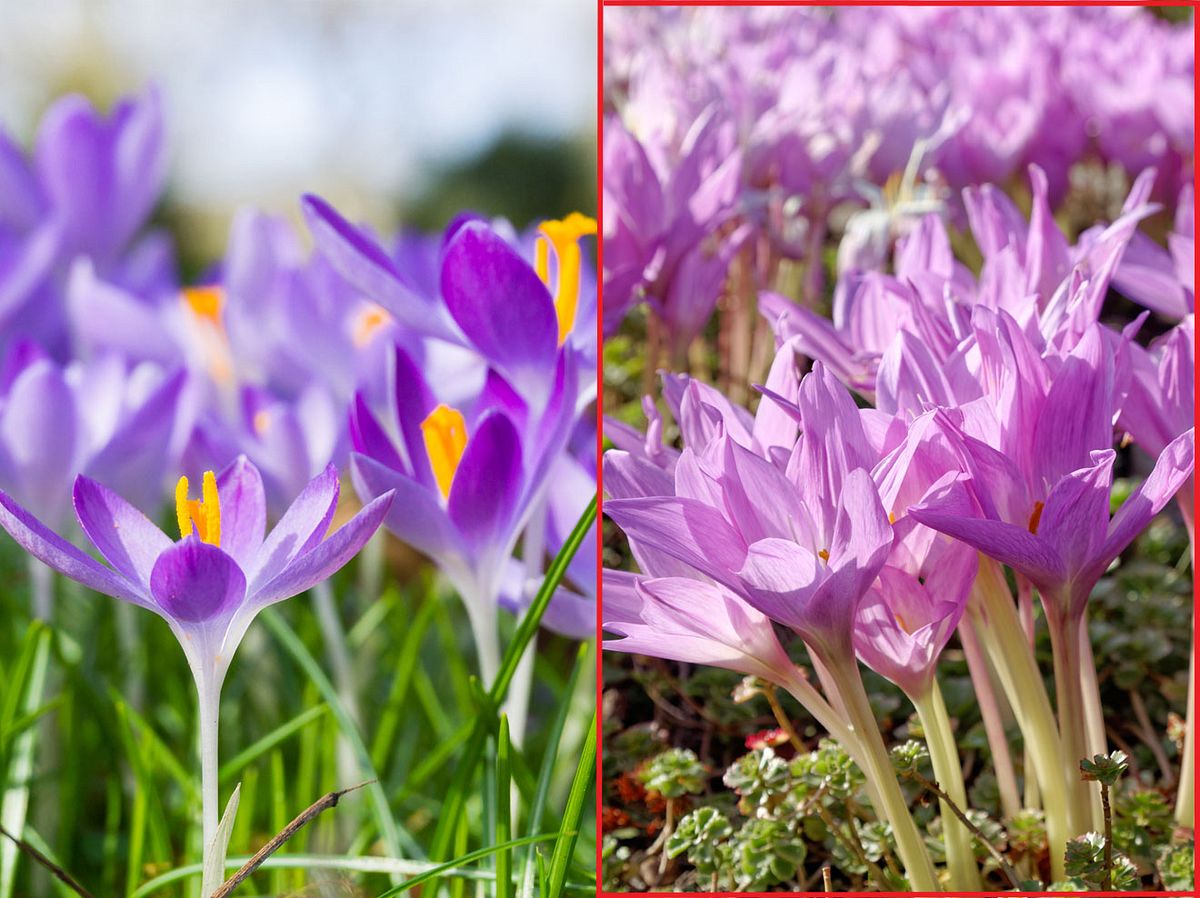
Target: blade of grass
538, 808
406, 662
25, 695
395, 839
465, 772
503, 811
242, 759
564, 845
310, 862
159, 752
469, 858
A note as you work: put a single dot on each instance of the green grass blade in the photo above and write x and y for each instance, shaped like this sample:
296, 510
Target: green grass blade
406, 662
503, 811
537, 809
468, 858
452, 806
159, 753
244, 758
15, 803
395, 839
564, 846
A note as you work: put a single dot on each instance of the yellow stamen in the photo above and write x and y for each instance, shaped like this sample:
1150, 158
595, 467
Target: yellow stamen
203, 516
262, 422
445, 432
564, 234
824, 554
891, 517
206, 302
1036, 518
368, 322
902, 622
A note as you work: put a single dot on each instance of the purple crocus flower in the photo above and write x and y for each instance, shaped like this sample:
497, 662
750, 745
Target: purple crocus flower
210, 583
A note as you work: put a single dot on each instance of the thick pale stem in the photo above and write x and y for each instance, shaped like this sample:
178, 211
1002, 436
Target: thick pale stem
516, 705
943, 752
993, 722
1097, 738
1072, 718
343, 678
909, 845
1185, 799
481, 611
995, 619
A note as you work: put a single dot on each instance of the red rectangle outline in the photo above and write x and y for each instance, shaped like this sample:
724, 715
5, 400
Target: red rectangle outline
600, 4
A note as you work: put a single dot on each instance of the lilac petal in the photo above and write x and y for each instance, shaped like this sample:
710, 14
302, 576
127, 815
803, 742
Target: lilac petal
1077, 415
779, 577
1075, 517
243, 510
773, 426
416, 517
483, 496
127, 539
54, 551
501, 304
193, 582
1174, 468
684, 529
302, 526
952, 511
629, 476
327, 557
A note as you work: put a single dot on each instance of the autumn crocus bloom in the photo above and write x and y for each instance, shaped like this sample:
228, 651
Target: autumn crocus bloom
209, 584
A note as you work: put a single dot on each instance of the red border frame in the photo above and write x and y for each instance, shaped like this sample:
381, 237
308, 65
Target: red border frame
600, 414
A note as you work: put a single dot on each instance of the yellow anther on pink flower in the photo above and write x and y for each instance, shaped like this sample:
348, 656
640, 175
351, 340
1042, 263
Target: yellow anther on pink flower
564, 235
262, 422
445, 433
203, 516
368, 322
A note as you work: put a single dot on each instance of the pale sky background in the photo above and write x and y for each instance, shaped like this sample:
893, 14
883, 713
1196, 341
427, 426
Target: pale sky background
353, 99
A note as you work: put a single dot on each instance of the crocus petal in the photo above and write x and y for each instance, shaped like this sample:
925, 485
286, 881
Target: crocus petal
501, 304
368, 437
327, 557
38, 425
125, 537
193, 582
416, 517
301, 527
51, 549
779, 578
488, 482
243, 510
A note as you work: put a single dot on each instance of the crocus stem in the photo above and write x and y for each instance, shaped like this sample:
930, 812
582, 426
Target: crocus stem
943, 752
1185, 799
481, 613
995, 619
208, 689
42, 581
909, 845
516, 704
993, 723
1072, 718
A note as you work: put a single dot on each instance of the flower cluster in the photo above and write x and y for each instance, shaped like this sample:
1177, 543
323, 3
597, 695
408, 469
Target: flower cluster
766, 128
952, 424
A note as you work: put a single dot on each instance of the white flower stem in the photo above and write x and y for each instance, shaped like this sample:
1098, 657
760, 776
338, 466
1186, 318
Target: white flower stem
1185, 798
943, 752
334, 637
909, 845
994, 616
481, 611
42, 580
993, 722
208, 689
